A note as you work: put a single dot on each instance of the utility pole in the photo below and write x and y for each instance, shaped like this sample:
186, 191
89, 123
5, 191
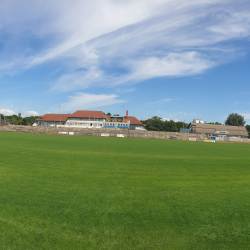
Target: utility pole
60, 115
123, 113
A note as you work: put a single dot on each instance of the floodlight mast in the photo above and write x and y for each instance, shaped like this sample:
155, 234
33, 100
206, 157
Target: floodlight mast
60, 115
123, 113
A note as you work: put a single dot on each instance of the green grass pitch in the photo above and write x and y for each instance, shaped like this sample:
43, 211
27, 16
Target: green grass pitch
76, 192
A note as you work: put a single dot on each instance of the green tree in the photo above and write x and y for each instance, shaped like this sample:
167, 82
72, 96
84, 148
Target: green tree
216, 123
157, 124
235, 119
154, 124
170, 126
248, 130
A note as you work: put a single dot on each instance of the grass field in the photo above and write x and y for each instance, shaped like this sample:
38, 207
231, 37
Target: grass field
69, 192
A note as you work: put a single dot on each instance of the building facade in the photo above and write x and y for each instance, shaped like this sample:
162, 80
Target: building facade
89, 119
218, 131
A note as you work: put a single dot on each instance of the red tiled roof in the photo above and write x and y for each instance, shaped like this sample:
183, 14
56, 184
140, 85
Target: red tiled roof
53, 118
133, 120
84, 114
107, 117
87, 114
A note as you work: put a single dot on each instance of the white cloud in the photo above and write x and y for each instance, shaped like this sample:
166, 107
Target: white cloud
77, 80
165, 119
30, 113
88, 101
143, 38
168, 119
126, 90
174, 64
8, 112
246, 115
161, 101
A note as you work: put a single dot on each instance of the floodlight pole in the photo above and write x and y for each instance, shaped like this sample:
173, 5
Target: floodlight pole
60, 115
123, 113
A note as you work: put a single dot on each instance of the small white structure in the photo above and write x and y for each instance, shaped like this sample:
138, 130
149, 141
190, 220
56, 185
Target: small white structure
197, 121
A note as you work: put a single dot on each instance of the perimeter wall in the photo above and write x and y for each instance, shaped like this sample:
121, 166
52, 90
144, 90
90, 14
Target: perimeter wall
97, 132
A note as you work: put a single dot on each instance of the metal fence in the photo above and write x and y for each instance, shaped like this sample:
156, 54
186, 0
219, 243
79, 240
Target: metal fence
184, 130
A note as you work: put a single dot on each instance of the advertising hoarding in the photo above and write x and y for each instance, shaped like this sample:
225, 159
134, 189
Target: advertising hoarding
63, 133
192, 139
120, 135
103, 134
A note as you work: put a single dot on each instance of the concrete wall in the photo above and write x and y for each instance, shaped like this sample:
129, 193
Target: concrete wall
97, 132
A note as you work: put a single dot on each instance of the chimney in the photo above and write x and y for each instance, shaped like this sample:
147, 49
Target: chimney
126, 114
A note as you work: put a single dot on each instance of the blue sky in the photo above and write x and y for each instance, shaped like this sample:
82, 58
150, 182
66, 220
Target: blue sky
177, 59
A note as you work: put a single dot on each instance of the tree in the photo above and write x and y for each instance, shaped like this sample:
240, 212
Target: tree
248, 130
235, 119
116, 115
154, 124
216, 123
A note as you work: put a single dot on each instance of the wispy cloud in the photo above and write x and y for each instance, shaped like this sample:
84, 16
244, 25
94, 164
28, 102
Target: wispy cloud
30, 113
246, 115
120, 42
161, 101
89, 101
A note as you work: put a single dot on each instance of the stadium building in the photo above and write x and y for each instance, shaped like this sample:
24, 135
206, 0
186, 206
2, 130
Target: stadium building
89, 119
221, 132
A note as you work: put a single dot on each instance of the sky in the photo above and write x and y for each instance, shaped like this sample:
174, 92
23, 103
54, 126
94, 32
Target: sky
176, 59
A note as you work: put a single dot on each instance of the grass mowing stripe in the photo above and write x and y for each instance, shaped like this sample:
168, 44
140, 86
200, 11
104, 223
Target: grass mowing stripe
111, 193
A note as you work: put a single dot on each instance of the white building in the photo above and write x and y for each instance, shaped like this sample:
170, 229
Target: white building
80, 118
89, 119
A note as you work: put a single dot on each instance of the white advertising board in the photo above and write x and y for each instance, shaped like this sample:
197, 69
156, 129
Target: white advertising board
103, 134
71, 133
63, 133
209, 140
192, 139
120, 135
